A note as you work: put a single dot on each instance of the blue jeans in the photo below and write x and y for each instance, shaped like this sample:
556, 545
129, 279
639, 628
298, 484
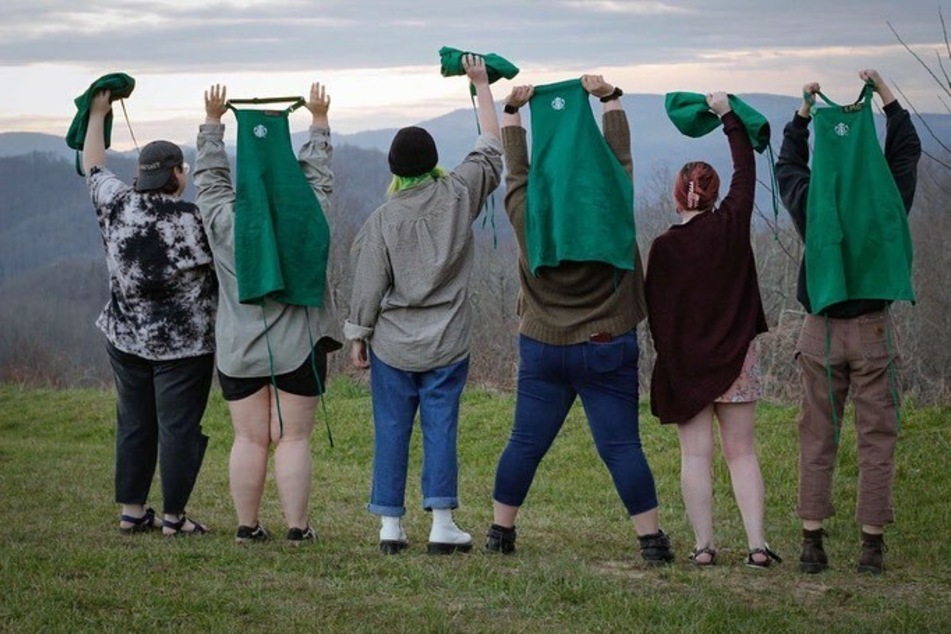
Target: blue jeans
604, 375
397, 394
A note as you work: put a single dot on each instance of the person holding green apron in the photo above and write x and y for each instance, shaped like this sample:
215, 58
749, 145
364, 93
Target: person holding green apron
410, 321
705, 312
581, 297
851, 210
275, 322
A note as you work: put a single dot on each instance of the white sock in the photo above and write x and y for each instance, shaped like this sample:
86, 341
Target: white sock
391, 528
442, 518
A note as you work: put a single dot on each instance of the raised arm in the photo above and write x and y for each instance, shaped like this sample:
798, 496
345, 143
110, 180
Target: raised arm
902, 145
792, 167
316, 155
215, 193
481, 170
739, 198
474, 66
515, 150
94, 146
617, 132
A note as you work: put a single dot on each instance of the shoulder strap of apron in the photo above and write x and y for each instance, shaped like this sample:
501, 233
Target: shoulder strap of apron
296, 102
864, 96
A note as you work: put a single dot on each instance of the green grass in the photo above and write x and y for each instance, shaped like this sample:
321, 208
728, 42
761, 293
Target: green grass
65, 567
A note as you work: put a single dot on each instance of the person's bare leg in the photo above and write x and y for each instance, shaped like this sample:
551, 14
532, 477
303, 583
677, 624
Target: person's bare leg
737, 435
293, 463
247, 466
503, 514
696, 477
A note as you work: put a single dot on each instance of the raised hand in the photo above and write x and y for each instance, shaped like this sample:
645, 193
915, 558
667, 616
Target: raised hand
216, 103
719, 103
519, 96
596, 86
101, 103
474, 66
319, 101
878, 85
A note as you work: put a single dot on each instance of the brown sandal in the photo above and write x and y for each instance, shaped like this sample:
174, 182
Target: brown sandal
699, 552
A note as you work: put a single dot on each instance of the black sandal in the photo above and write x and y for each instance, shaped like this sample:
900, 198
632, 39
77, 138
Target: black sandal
142, 524
706, 550
769, 555
171, 528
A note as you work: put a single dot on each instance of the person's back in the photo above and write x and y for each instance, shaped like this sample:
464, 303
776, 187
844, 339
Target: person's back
416, 253
849, 348
565, 304
409, 317
158, 325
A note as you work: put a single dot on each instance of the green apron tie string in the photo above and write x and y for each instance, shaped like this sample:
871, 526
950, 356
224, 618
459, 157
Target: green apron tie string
835, 415
892, 379
321, 393
270, 362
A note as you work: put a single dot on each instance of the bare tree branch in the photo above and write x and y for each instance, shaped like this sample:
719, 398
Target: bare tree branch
922, 119
946, 89
944, 30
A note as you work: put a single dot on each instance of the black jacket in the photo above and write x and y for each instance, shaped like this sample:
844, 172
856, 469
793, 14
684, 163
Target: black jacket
902, 151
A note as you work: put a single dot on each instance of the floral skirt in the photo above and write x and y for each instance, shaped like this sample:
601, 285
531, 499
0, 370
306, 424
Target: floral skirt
748, 385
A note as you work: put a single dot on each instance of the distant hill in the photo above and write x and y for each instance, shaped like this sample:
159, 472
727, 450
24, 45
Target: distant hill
17, 143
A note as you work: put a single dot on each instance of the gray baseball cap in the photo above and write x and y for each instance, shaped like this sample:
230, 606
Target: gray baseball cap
156, 162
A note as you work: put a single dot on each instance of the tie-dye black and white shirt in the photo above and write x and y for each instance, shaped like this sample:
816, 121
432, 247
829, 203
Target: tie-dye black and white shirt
162, 285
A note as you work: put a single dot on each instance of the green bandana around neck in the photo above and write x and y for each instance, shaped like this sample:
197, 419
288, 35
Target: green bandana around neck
119, 86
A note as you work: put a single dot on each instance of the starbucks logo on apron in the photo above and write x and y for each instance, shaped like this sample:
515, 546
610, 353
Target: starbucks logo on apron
841, 129
558, 103
260, 131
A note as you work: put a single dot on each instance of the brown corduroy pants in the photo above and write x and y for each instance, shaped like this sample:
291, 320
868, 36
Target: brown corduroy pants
861, 354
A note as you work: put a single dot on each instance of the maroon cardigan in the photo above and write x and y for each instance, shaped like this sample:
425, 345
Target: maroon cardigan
703, 298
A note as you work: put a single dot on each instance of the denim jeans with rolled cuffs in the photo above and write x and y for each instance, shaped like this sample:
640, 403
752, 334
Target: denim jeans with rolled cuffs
603, 372
397, 395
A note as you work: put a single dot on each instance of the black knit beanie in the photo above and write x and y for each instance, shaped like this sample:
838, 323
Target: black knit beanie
413, 152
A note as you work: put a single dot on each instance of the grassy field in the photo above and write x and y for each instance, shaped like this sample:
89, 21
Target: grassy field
65, 566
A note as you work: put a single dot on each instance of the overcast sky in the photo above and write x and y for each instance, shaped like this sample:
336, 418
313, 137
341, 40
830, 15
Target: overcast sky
380, 61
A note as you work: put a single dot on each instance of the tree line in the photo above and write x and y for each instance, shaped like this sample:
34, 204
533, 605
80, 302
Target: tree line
53, 279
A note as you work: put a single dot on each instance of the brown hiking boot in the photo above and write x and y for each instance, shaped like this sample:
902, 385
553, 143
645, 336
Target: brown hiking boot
813, 557
871, 559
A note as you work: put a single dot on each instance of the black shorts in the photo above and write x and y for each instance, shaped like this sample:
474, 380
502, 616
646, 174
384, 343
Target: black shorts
301, 381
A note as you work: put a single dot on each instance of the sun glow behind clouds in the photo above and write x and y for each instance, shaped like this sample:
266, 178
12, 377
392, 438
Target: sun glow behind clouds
636, 7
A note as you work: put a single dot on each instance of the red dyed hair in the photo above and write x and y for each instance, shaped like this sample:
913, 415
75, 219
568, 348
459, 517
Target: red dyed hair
697, 187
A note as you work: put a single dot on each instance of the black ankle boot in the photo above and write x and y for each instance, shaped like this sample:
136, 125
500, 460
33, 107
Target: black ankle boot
871, 559
500, 539
813, 558
655, 549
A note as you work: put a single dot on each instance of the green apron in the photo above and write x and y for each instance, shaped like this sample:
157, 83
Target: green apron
857, 243
281, 237
120, 86
580, 200
690, 113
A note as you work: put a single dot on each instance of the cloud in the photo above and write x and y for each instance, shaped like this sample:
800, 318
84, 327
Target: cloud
647, 7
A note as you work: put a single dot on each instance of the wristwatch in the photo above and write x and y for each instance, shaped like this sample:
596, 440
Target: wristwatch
509, 109
615, 94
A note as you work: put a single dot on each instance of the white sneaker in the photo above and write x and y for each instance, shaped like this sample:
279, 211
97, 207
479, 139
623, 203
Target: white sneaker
447, 538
